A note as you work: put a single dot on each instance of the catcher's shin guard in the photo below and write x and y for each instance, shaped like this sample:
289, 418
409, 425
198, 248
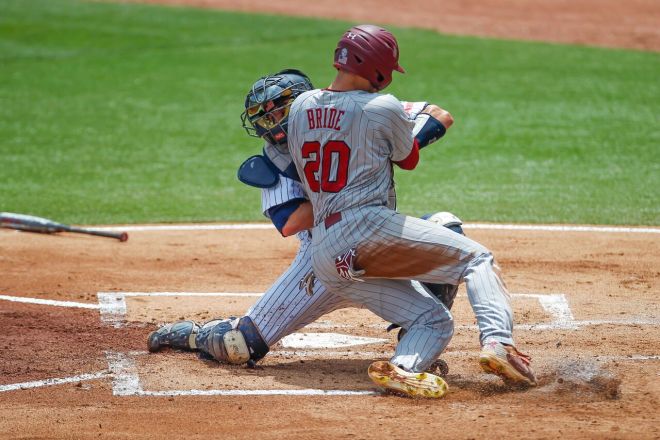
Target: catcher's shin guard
400, 381
233, 341
179, 335
446, 293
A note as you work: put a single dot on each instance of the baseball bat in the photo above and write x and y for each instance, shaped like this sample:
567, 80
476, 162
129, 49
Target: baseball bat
39, 224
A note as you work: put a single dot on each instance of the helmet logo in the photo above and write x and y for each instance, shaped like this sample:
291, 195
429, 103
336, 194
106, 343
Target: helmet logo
343, 56
351, 35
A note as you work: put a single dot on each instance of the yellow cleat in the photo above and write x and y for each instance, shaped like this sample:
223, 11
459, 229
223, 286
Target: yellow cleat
393, 378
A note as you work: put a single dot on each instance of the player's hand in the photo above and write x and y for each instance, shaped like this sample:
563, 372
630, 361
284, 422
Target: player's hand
442, 115
431, 124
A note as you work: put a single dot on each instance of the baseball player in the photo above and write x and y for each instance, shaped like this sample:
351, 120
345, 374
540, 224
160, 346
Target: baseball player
344, 141
285, 307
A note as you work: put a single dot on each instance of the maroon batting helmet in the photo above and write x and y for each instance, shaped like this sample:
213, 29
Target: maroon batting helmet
370, 52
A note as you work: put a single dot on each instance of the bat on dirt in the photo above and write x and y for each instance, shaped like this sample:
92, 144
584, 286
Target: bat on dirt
39, 224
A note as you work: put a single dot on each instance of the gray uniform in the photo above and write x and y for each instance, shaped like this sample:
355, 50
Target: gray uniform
344, 143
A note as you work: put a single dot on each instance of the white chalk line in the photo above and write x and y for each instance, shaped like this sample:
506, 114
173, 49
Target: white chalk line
113, 306
186, 227
272, 392
326, 340
387, 354
113, 309
510, 227
54, 381
325, 354
126, 382
563, 228
174, 294
48, 302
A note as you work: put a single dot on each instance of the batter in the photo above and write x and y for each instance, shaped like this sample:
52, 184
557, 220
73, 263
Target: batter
344, 140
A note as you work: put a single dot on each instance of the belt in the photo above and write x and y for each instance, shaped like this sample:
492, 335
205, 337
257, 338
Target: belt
332, 219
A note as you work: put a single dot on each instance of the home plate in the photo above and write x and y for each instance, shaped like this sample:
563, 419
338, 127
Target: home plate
326, 340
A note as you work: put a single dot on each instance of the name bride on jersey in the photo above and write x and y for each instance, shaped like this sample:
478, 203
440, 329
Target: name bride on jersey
324, 118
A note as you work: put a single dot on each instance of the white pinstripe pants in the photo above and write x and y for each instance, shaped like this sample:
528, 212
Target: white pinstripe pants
285, 308
393, 248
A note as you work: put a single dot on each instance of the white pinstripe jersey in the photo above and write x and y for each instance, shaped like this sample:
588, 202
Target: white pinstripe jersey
343, 145
284, 190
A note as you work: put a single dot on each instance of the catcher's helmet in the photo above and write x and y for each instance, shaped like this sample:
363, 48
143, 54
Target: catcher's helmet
267, 104
370, 52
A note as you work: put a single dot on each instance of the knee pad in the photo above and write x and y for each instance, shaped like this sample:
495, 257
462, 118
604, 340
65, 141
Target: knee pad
233, 341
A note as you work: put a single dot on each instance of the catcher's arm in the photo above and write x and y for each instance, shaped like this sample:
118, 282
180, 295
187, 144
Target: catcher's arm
300, 220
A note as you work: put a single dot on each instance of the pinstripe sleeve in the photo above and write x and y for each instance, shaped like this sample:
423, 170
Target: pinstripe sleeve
286, 189
413, 109
396, 125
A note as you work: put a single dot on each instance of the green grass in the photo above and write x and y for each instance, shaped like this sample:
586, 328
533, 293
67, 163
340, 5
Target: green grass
130, 113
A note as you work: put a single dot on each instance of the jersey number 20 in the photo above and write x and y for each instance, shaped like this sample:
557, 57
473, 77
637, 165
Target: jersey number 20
332, 150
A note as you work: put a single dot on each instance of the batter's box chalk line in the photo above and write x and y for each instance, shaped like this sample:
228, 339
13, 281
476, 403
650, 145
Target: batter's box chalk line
113, 309
126, 382
506, 227
126, 379
123, 368
55, 381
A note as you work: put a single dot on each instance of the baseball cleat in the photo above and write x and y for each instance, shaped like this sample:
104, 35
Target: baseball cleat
399, 381
179, 335
508, 363
439, 367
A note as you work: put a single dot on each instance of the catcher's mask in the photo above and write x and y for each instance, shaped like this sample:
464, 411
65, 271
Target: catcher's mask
267, 104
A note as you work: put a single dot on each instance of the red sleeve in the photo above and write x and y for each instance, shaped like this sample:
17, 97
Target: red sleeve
410, 162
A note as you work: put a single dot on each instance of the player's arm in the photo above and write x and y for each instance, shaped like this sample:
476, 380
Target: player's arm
431, 121
282, 198
431, 124
395, 127
410, 161
292, 217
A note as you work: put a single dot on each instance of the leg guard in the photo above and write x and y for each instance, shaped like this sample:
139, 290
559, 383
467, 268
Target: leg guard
179, 335
446, 293
233, 341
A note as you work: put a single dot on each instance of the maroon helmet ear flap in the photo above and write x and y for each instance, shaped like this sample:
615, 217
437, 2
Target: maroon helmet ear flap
369, 51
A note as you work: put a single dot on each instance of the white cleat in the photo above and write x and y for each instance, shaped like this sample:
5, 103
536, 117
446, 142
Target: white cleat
508, 363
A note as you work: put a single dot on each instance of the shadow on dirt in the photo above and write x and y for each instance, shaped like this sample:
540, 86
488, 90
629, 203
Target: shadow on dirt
581, 380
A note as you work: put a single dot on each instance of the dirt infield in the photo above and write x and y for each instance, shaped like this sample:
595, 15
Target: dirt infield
586, 307
633, 24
